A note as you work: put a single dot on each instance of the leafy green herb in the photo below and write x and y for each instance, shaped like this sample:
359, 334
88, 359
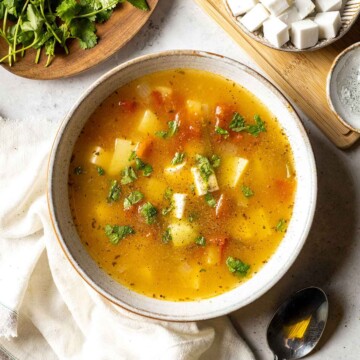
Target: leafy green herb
167, 210
166, 237
258, 127
203, 163
237, 123
43, 24
215, 161
200, 240
168, 194
140, 165
210, 200
148, 169
128, 176
178, 158
149, 212
115, 233
281, 225
236, 266
132, 156
100, 170
222, 131
78, 170
114, 192
173, 128
247, 191
134, 197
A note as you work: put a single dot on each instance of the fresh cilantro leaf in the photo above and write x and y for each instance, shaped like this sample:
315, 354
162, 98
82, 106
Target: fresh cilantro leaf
204, 166
236, 266
210, 200
115, 233
148, 169
100, 170
258, 127
132, 156
247, 191
140, 4
78, 170
173, 128
149, 212
215, 161
114, 192
2, 10
128, 176
67, 10
222, 131
140, 165
167, 210
134, 197
84, 30
166, 237
168, 194
200, 240
281, 225
13, 6
237, 123
34, 20
178, 158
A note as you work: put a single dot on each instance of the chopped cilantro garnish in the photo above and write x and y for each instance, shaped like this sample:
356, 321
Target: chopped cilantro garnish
236, 266
132, 156
258, 127
178, 158
116, 233
148, 169
221, 131
78, 170
140, 165
237, 123
204, 166
100, 171
168, 194
215, 161
200, 240
281, 225
247, 191
173, 128
210, 200
128, 176
134, 197
167, 210
166, 237
149, 212
114, 191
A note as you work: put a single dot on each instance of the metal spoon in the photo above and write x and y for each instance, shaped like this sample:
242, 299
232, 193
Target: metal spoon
298, 324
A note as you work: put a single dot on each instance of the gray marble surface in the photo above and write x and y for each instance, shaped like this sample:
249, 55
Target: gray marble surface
330, 258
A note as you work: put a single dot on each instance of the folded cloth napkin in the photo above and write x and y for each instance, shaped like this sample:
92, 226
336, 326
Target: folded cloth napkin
46, 310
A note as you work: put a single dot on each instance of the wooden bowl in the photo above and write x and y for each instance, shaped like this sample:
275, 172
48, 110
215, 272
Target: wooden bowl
349, 15
285, 254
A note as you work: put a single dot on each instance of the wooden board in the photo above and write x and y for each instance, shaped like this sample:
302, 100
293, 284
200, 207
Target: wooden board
302, 76
125, 22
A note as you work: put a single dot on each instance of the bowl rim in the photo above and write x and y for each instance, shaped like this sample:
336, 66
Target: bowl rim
261, 39
328, 85
304, 232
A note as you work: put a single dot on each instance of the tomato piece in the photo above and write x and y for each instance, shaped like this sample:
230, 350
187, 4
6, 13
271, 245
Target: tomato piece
284, 188
157, 98
221, 243
128, 106
223, 115
144, 148
223, 206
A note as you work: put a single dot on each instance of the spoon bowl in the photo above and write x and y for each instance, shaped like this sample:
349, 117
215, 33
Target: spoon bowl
298, 324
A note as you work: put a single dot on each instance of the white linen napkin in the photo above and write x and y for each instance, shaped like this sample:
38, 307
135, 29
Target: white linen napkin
46, 310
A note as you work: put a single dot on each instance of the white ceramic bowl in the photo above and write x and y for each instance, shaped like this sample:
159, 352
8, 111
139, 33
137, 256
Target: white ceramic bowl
271, 272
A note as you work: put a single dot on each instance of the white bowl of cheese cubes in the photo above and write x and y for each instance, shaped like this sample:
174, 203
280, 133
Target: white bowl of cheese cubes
294, 25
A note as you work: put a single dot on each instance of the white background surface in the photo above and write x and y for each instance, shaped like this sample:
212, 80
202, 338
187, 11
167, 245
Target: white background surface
330, 256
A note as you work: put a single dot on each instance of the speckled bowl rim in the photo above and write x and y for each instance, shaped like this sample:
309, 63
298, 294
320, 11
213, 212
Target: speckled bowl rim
303, 233
328, 84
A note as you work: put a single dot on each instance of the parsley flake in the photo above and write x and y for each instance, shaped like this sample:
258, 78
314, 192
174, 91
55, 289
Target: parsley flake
173, 128
215, 161
200, 240
115, 233
149, 212
281, 225
222, 131
166, 237
114, 192
204, 166
100, 170
247, 191
210, 200
134, 197
237, 123
236, 266
178, 158
128, 176
78, 170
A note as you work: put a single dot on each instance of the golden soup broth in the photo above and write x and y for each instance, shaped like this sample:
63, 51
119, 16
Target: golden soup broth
184, 254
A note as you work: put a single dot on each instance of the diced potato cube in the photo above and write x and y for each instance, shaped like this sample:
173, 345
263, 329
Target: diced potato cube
182, 233
232, 169
165, 91
179, 201
149, 123
200, 184
213, 255
100, 157
121, 155
194, 107
261, 222
154, 189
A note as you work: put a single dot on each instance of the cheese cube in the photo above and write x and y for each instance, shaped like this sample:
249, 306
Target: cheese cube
304, 33
276, 7
329, 24
328, 5
240, 7
121, 155
179, 201
232, 169
149, 123
182, 233
255, 17
289, 16
200, 184
304, 8
276, 32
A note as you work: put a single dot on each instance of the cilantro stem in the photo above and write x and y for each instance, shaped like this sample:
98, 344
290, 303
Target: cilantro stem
4, 21
95, 12
18, 25
38, 53
20, 50
4, 37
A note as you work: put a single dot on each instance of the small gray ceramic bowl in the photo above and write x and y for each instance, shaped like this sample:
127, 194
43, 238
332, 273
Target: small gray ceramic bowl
343, 87
287, 251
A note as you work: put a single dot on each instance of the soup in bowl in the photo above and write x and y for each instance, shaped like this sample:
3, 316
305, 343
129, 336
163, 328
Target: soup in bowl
182, 185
